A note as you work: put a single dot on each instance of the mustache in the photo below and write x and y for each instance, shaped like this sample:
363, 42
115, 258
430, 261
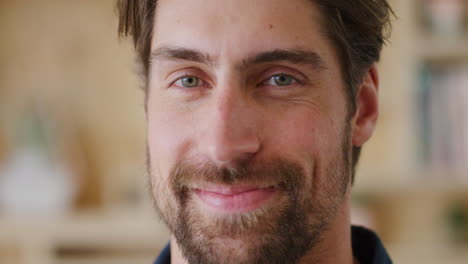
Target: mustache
277, 172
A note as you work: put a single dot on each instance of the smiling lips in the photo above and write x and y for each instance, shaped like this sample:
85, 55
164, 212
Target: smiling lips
230, 199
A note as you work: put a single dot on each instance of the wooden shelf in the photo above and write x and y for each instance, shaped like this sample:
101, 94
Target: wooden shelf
427, 254
439, 48
109, 260
41, 239
89, 228
436, 182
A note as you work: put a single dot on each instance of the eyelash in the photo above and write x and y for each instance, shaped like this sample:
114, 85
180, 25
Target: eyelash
271, 79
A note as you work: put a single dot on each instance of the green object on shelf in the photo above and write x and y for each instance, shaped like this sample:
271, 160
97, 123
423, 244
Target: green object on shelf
458, 223
32, 131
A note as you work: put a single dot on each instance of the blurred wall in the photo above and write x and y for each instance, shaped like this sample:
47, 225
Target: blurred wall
66, 58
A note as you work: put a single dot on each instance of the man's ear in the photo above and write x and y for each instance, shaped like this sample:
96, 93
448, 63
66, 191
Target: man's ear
367, 107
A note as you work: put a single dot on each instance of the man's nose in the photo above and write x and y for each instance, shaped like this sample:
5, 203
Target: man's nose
232, 128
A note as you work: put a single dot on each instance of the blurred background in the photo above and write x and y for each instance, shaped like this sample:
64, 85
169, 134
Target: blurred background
72, 129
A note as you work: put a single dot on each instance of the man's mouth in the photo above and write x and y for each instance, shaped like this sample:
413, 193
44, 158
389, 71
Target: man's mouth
235, 198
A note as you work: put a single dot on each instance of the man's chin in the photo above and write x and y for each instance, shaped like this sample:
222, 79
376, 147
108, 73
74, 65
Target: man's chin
226, 250
264, 235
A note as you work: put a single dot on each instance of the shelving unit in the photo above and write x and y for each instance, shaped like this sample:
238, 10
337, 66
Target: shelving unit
392, 157
408, 198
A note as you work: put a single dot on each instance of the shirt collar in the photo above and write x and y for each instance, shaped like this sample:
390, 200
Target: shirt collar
367, 247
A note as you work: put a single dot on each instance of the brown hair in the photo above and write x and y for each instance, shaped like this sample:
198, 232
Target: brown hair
357, 28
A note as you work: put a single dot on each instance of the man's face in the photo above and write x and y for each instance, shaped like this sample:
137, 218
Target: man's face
248, 131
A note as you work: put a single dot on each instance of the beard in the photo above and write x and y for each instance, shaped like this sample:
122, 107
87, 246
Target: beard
279, 232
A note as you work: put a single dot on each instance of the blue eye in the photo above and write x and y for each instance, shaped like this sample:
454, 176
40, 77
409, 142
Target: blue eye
281, 80
189, 81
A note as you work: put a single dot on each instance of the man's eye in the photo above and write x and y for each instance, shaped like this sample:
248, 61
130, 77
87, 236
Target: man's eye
188, 82
280, 80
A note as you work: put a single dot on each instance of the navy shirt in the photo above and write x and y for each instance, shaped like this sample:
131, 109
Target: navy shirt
367, 248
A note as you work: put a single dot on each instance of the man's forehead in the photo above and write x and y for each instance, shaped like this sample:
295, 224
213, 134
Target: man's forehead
238, 29
261, 21
224, 8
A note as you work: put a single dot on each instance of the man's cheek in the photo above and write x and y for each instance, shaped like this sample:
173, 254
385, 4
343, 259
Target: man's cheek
300, 134
166, 140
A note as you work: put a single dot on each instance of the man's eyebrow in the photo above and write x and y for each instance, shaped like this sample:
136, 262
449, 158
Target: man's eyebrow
180, 53
292, 56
